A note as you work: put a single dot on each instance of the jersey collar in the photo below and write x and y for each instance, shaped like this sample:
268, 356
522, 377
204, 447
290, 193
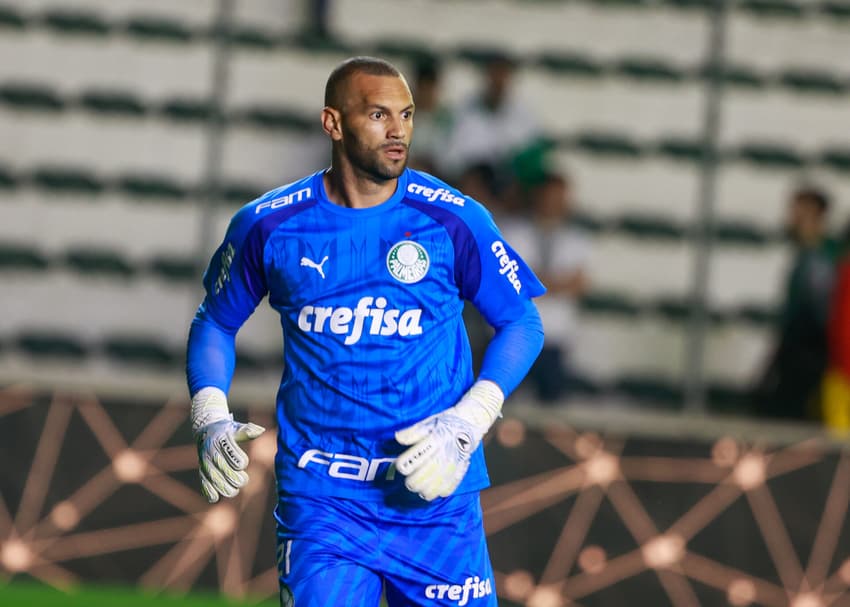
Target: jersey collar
392, 201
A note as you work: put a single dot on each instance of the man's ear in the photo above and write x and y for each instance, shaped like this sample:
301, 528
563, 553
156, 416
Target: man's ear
331, 123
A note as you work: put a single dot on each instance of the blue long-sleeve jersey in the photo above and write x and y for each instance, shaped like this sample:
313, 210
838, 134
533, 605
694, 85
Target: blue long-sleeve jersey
370, 302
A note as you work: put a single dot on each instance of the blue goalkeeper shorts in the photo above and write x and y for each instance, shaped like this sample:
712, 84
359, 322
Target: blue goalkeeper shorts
345, 553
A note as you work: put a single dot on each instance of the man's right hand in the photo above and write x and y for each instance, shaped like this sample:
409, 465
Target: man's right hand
222, 462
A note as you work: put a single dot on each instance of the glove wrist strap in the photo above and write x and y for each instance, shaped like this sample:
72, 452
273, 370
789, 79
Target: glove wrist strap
209, 405
482, 404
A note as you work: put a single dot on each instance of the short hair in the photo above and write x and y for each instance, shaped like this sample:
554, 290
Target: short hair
814, 195
335, 86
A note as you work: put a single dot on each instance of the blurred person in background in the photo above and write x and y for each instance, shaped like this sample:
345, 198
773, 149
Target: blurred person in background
433, 119
317, 18
559, 253
493, 126
835, 399
380, 416
789, 385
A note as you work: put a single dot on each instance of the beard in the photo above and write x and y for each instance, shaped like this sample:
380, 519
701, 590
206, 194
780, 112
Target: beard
371, 161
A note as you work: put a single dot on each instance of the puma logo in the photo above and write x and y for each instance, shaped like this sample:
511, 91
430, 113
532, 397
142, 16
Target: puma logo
305, 261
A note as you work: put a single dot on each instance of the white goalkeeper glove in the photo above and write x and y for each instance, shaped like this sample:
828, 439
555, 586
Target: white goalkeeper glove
221, 461
442, 444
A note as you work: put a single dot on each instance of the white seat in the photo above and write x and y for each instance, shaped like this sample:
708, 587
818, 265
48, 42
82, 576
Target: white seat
195, 13
660, 32
753, 194
270, 158
262, 334
806, 122
608, 188
640, 268
771, 44
290, 78
747, 275
638, 109
138, 230
95, 307
72, 64
736, 353
608, 347
102, 144
110, 377
277, 15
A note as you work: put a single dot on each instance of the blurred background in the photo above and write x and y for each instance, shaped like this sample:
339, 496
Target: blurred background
677, 172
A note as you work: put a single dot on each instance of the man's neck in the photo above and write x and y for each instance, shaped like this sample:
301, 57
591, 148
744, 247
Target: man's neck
344, 187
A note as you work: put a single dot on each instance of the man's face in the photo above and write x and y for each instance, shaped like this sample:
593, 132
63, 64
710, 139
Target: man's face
377, 125
552, 201
804, 218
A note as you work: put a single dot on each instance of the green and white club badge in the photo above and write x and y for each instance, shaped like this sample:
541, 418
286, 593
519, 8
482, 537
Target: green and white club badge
408, 261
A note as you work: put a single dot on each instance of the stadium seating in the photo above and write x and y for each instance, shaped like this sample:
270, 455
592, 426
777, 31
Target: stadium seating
103, 177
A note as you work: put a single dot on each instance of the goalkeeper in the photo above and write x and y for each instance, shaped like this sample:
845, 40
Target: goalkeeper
380, 418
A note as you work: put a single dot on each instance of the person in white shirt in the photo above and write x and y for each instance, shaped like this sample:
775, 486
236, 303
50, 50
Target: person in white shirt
493, 126
559, 253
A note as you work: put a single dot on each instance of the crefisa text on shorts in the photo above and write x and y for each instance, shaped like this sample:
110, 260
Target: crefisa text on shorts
472, 588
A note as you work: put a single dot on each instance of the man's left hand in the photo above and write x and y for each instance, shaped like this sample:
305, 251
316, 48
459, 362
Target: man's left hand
441, 445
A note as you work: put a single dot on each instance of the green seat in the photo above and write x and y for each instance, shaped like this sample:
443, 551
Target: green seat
317, 42
276, 118
70, 22
650, 390
680, 310
175, 269
837, 159
772, 8
740, 234
757, 316
740, 76
158, 29
236, 193
186, 110
151, 187
139, 351
252, 38
8, 179
620, 3
12, 19
649, 227
21, 257
98, 261
609, 304
583, 385
673, 309
49, 344
403, 49
34, 97
727, 398
812, 81
249, 361
112, 103
606, 144
587, 222
691, 4
651, 70
571, 64
835, 9
771, 155
681, 149
67, 180
482, 55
